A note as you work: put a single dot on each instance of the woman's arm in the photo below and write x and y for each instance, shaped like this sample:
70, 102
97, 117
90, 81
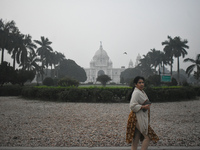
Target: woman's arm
134, 104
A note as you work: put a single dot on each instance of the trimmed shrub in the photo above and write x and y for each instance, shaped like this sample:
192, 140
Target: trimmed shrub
29, 92
95, 94
10, 90
106, 96
66, 81
48, 81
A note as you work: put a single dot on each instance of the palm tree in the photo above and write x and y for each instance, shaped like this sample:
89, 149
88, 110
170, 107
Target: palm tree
43, 51
179, 50
175, 48
197, 75
32, 62
196, 64
6, 30
58, 58
17, 40
155, 58
145, 66
164, 61
168, 49
26, 47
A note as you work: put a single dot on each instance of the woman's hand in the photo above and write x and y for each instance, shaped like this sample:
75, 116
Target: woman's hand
146, 106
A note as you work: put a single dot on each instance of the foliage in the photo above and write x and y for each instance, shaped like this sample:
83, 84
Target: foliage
73, 94
175, 47
145, 66
67, 81
24, 76
197, 74
154, 80
103, 79
129, 74
106, 95
48, 81
69, 68
7, 73
172, 83
196, 64
7, 29
10, 90
167, 95
94, 94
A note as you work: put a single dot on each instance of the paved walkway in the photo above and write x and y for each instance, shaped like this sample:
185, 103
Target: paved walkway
98, 148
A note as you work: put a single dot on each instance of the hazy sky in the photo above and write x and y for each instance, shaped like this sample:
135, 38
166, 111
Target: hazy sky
76, 27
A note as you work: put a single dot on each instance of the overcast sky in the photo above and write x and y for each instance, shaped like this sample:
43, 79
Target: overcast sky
76, 27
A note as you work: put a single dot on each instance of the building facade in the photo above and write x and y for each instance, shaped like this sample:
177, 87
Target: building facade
101, 64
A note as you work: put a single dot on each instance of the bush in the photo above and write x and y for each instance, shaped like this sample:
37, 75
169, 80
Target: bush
154, 80
106, 96
48, 81
185, 83
10, 90
66, 81
172, 83
96, 94
167, 94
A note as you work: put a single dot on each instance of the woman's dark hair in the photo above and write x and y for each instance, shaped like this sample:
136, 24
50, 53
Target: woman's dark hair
137, 79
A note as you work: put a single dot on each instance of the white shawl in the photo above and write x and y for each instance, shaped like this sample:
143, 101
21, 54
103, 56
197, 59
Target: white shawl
137, 99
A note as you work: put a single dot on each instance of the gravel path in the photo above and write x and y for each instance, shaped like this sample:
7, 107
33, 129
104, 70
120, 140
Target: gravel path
38, 123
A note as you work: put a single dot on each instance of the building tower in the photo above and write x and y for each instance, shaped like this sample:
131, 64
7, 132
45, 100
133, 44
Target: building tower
130, 65
137, 60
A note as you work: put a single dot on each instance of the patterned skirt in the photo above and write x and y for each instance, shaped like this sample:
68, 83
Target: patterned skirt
131, 124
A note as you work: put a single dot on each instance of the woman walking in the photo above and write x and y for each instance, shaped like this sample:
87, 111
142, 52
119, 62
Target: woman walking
138, 126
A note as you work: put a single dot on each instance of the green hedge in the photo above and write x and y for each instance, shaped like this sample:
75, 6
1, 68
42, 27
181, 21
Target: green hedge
170, 94
99, 94
74, 94
13, 90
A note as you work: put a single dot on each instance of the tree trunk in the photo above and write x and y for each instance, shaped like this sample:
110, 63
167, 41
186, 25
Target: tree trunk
14, 62
171, 66
159, 69
2, 55
178, 71
163, 68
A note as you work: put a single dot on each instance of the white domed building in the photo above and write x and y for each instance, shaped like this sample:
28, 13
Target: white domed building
101, 64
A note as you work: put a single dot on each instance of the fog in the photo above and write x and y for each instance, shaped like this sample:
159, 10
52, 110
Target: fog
76, 27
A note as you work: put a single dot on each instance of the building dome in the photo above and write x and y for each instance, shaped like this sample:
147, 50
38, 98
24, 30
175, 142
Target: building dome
101, 54
101, 58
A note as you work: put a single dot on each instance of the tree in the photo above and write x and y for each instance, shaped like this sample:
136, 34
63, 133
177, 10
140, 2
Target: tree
54, 59
196, 64
17, 40
197, 75
145, 66
43, 51
103, 79
69, 68
58, 58
180, 50
164, 61
25, 50
168, 49
24, 76
6, 30
156, 58
7, 73
177, 48
129, 74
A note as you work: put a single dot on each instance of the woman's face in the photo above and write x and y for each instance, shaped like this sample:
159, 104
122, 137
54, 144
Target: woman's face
140, 84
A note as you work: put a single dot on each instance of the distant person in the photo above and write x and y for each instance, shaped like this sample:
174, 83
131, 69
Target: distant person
138, 126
